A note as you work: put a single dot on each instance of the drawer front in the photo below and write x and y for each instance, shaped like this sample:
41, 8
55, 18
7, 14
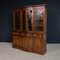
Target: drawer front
37, 35
22, 34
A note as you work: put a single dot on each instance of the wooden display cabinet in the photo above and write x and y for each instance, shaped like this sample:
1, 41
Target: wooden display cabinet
29, 28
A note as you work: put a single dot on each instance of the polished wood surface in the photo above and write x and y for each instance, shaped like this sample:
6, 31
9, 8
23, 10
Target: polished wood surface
30, 39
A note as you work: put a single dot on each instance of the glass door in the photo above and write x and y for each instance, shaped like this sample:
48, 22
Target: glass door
30, 20
39, 19
17, 20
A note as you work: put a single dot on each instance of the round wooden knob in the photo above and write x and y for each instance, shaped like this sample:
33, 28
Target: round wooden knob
34, 35
40, 35
17, 33
27, 34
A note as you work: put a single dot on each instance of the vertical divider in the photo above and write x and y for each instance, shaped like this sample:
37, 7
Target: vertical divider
21, 21
34, 21
44, 20
26, 20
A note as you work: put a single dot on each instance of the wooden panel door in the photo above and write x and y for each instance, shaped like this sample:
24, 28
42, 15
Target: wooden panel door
16, 40
29, 41
20, 41
37, 43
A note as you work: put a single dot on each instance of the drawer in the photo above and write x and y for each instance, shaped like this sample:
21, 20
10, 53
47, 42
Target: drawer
16, 33
37, 35
29, 35
22, 34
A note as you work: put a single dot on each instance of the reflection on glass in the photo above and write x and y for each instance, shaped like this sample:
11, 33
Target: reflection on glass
39, 22
30, 20
17, 20
24, 24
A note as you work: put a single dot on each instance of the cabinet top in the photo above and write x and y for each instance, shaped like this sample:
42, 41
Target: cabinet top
31, 6
35, 5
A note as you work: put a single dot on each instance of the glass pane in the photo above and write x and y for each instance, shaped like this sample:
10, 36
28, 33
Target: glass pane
17, 20
39, 21
30, 20
24, 22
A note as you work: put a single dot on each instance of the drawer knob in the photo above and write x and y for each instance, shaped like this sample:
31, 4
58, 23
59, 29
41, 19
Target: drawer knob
40, 35
27, 34
34, 35
17, 33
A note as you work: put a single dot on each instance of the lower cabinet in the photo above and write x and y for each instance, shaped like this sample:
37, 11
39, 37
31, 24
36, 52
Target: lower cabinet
30, 42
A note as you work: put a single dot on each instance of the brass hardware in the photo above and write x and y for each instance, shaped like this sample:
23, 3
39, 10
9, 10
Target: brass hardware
17, 33
34, 35
27, 34
40, 35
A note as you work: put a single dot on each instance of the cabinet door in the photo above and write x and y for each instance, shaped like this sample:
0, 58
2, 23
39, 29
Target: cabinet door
17, 15
37, 43
39, 19
25, 43
17, 20
29, 41
16, 40
21, 41
29, 18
